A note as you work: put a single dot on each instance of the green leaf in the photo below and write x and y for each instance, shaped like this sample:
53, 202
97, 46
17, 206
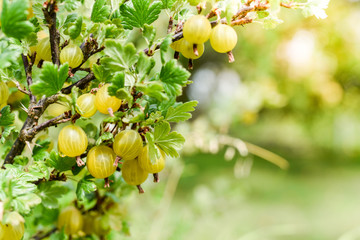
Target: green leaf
50, 193
174, 77
149, 34
71, 18
13, 19
122, 93
167, 3
40, 150
316, 8
21, 160
100, 11
75, 30
144, 65
272, 22
84, 186
119, 57
153, 149
154, 117
118, 82
25, 202
138, 14
6, 117
170, 143
51, 79
181, 112
59, 235
262, 14
164, 48
105, 137
70, 5
40, 169
153, 89
61, 164
101, 73
9, 54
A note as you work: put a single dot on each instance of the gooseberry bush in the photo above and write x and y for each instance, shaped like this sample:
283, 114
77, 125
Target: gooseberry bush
88, 97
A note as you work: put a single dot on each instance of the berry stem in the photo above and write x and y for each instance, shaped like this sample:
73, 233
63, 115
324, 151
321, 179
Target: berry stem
79, 161
190, 66
141, 190
196, 52
231, 57
107, 183
176, 55
117, 161
111, 112
156, 177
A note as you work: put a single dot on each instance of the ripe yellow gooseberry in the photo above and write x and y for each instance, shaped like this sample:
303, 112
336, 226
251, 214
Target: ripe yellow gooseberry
188, 51
197, 29
128, 144
71, 220
72, 141
56, 109
132, 173
100, 161
177, 45
14, 227
145, 162
104, 101
4, 93
15, 96
43, 50
223, 38
86, 105
72, 55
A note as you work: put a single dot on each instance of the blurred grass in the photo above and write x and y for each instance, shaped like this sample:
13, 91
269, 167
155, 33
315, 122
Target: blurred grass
294, 91
269, 204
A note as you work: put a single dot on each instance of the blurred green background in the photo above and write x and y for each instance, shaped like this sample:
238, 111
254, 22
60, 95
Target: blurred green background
294, 91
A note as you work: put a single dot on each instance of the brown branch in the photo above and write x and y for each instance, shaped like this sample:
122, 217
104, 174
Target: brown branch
82, 83
49, 10
34, 113
245, 10
241, 21
20, 89
41, 235
28, 71
65, 117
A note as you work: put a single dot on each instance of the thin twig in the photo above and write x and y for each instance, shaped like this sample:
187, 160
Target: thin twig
82, 83
49, 10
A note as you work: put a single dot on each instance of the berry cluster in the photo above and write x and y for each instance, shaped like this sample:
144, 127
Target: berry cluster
196, 31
